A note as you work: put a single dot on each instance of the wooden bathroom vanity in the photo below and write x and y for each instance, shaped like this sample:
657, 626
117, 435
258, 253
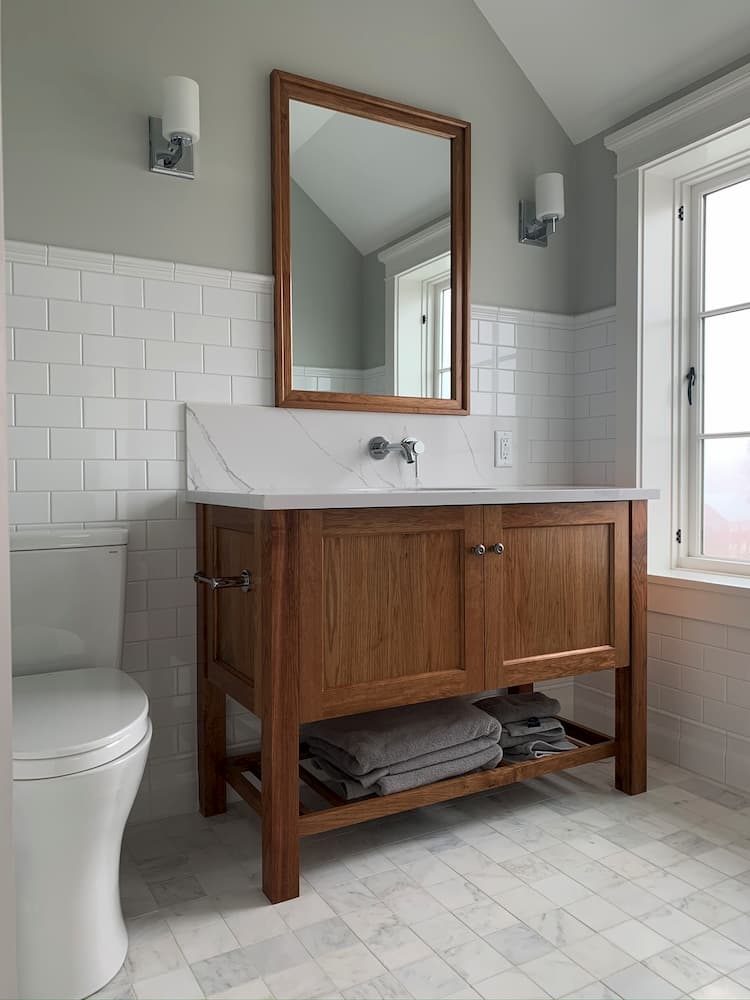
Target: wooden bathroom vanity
360, 601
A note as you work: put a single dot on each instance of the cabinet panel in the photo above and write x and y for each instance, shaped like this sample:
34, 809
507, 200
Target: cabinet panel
391, 607
557, 600
231, 543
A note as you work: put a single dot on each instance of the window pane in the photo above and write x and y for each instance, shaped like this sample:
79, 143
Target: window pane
726, 373
445, 385
726, 498
727, 278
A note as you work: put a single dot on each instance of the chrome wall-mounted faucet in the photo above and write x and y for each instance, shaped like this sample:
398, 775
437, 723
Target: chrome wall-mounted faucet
411, 448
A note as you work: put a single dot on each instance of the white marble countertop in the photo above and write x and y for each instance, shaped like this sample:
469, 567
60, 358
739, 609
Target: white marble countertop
423, 496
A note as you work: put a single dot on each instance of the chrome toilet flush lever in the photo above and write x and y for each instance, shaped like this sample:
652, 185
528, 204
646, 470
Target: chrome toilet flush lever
411, 448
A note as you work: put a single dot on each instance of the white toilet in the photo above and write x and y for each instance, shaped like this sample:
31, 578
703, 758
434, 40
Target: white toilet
81, 735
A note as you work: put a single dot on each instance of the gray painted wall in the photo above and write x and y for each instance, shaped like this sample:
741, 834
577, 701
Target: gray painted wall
594, 225
373, 311
326, 289
595, 206
80, 77
7, 890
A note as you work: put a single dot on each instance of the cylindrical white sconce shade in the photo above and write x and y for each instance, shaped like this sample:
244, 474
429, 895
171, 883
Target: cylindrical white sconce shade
550, 196
180, 108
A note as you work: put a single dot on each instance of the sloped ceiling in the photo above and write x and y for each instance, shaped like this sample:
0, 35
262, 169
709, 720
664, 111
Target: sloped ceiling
375, 182
595, 62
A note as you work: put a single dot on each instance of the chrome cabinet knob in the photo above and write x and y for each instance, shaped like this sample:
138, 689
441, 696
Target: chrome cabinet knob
479, 550
498, 548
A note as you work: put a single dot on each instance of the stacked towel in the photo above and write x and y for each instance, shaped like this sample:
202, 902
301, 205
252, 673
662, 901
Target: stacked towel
529, 729
404, 747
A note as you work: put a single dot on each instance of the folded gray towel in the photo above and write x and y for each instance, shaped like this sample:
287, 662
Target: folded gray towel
350, 788
340, 760
535, 749
381, 739
518, 707
515, 733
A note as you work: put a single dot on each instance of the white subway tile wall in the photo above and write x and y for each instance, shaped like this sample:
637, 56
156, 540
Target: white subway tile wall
698, 697
103, 349
594, 391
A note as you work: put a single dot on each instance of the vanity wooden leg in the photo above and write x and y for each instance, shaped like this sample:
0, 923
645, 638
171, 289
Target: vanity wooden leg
630, 682
212, 702
280, 715
212, 744
521, 689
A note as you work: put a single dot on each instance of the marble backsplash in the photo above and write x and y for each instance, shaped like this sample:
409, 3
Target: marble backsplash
260, 448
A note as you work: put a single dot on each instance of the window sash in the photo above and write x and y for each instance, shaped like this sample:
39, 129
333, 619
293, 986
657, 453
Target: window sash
691, 351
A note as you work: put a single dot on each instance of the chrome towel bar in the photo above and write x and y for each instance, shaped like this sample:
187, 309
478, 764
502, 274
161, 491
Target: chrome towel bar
244, 581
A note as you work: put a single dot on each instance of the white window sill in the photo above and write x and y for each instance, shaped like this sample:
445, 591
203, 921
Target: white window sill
711, 597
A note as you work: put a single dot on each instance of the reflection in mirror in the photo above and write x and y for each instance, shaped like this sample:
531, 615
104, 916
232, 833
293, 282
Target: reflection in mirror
370, 256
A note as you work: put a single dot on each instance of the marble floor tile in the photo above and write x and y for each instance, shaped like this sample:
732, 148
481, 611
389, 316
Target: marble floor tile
429, 977
719, 951
519, 944
511, 985
639, 983
682, 968
475, 960
559, 888
178, 983
558, 927
350, 966
235, 968
636, 939
557, 974
328, 935
673, 924
485, 918
205, 941
385, 987
596, 913
598, 956
444, 931
301, 981
722, 989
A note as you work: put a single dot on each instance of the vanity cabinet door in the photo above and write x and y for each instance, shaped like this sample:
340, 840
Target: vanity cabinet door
557, 599
391, 607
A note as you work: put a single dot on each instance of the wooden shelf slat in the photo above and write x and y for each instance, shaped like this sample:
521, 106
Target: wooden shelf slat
360, 811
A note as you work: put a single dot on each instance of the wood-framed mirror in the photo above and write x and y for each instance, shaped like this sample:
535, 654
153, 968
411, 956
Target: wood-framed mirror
370, 251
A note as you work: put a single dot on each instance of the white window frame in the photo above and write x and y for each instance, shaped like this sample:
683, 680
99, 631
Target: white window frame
432, 291
689, 251
706, 126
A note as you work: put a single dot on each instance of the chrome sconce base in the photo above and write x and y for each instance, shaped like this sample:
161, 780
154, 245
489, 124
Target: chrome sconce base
174, 159
531, 230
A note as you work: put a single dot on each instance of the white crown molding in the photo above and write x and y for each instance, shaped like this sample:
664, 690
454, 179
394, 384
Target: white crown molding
418, 248
712, 108
18, 252
84, 260
142, 267
244, 281
595, 318
193, 274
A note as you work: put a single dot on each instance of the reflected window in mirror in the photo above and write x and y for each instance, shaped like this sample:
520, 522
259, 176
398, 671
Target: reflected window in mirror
370, 252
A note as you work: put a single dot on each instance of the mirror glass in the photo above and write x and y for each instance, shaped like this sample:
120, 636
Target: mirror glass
370, 207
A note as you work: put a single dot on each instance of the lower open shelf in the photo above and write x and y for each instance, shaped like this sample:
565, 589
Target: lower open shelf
338, 812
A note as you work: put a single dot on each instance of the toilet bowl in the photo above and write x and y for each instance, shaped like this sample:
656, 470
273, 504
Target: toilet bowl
81, 735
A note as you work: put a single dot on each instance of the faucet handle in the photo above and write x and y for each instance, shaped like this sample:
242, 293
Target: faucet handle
413, 448
414, 445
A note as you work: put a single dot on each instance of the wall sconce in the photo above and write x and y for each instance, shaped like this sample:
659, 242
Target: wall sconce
536, 221
171, 137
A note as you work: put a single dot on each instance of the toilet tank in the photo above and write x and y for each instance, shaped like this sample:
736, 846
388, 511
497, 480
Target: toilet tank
67, 599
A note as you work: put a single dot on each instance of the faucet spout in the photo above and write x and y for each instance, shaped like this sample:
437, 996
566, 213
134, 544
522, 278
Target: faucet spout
410, 448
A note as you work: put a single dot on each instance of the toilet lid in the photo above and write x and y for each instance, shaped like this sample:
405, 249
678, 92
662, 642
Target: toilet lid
72, 720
